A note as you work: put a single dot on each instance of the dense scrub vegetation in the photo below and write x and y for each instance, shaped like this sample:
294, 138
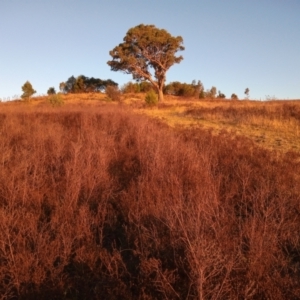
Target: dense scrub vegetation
110, 205
83, 84
187, 90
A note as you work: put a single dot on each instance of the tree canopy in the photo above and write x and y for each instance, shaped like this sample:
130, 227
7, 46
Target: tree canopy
51, 91
221, 95
137, 87
147, 53
234, 97
177, 88
83, 84
247, 93
28, 90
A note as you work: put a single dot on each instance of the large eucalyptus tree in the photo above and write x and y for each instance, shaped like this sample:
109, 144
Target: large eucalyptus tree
147, 53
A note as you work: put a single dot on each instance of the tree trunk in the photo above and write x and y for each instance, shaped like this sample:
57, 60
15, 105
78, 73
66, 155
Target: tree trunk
160, 95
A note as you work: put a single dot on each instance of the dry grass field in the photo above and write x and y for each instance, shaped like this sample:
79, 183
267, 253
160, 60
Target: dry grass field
274, 125
187, 200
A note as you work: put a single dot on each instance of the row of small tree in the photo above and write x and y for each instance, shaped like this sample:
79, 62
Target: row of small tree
80, 84
197, 90
83, 84
176, 88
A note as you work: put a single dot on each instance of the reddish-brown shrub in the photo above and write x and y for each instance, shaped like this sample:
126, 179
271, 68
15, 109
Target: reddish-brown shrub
110, 205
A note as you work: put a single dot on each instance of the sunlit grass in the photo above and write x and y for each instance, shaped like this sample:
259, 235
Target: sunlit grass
273, 130
277, 128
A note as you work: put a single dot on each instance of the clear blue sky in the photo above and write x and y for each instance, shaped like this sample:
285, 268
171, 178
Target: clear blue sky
230, 44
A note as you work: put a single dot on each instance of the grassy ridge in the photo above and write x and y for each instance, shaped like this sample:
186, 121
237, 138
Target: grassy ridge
107, 204
274, 125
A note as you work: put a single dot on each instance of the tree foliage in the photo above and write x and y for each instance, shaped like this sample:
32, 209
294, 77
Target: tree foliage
177, 88
56, 100
28, 90
247, 92
221, 95
198, 87
213, 92
151, 98
51, 91
113, 93
130, 87
234, 97
147, 53
62, 86
137, 87
83, 84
